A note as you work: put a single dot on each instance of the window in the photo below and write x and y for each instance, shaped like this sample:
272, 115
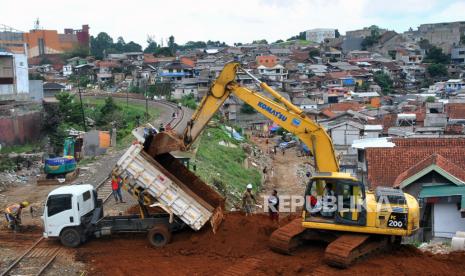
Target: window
58, 203
86, 195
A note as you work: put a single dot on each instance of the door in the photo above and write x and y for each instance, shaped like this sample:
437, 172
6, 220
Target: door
59, 213
447, 220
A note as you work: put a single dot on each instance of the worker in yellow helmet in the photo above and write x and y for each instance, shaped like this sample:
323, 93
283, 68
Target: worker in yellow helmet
13, 214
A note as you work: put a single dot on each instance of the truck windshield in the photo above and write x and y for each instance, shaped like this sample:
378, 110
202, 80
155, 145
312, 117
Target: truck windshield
58, 203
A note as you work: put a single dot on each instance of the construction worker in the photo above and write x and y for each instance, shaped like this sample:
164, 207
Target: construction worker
273, 206
13, 214
248, 200
116, 188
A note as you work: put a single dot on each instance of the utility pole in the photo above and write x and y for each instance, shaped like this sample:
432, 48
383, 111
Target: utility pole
146, 102
80, 99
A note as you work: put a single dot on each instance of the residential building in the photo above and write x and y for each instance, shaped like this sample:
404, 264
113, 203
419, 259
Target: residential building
443, 35
274, 73
430, 169
267, 61
458, 55
454, 85
14, 76
320, 34
43, 42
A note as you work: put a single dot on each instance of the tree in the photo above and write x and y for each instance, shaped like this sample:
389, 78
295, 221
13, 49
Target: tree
151, 47
337, 34
430, 99
300, 36
373, 38
99, 44
260, 41
279, 41
424, 44
120, 44
132, 47
163, 51
384, 81
108, 112
437, 70
172, 45
435, 55
247, 109
314, 52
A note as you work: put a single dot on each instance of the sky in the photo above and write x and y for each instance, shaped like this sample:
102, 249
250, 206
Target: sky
229, 21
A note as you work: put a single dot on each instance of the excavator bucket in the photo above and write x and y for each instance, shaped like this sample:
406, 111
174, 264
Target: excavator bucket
164, 142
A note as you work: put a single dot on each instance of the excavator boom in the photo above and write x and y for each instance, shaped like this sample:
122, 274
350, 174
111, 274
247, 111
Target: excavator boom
278, 109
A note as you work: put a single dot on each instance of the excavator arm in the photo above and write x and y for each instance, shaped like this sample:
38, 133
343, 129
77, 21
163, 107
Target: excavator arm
279, 110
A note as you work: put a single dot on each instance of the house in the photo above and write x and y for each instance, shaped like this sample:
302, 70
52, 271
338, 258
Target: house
430, 169
52, 88
320, 34
304, 103
455, 113
267, 61
454, 85
230, 108
67, 70
274, 73
458, 55
14, 77
176, 71
358, 54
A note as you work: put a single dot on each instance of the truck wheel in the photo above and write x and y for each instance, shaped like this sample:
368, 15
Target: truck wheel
159, 236
70, 237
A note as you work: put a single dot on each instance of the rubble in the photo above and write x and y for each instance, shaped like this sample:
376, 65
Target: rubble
435, 247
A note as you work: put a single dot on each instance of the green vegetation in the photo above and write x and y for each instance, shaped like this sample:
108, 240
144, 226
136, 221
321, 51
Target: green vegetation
430, 99
103, 113
435, 55
437, 70
384, 81
314, 52
300, 36
247, 109
223, 166
26, 148
372, 39
189, 101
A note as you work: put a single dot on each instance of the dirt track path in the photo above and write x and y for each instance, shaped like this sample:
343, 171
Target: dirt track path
285, 173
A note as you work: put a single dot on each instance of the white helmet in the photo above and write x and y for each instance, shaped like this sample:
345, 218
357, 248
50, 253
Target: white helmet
249, 186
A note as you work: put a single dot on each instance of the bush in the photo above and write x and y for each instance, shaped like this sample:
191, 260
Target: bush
189, 101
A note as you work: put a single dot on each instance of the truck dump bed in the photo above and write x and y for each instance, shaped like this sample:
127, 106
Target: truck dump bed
168, 182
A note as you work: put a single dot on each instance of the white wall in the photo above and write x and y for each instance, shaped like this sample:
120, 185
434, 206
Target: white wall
447, 220
22, 74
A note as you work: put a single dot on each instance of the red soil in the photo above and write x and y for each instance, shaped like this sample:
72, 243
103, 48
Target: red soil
240, 246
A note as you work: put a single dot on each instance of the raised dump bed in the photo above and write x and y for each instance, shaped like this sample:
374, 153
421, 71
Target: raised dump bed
166, 181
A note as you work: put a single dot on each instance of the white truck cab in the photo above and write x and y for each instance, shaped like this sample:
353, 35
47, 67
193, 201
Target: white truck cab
66, 207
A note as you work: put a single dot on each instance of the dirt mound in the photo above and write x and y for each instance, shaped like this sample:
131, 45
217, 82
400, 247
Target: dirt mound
241, 247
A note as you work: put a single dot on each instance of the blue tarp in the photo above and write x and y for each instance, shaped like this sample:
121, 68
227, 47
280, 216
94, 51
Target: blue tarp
173, 74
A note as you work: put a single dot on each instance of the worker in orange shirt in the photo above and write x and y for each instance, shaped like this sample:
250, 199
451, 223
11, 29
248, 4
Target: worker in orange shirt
13, 214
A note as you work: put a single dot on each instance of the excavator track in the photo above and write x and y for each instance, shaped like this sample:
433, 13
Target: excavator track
344, 250
287, 238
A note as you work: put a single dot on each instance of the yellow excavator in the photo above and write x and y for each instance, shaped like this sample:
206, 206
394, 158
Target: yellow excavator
363, 221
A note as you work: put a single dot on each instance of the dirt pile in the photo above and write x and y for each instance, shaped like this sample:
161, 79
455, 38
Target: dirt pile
241, 247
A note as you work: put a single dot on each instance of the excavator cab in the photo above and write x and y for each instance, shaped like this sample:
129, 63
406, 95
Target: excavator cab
336, 198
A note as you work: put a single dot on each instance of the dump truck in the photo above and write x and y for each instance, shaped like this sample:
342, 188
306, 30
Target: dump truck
170, 198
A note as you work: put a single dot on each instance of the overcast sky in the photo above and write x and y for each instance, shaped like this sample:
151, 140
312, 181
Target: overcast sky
229, 21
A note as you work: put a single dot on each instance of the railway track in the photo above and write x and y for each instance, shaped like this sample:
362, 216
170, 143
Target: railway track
35, 260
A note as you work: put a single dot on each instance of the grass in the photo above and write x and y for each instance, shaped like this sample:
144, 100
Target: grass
30, 147
223, 166
131, 111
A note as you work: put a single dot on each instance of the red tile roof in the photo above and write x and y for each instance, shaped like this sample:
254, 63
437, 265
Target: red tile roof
455, 110
434, 159
344, 106
328, 113
386, 164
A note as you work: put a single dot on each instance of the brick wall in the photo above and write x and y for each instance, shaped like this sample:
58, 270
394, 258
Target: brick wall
20, 129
